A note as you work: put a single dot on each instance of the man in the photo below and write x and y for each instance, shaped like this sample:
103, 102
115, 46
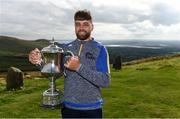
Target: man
86, 72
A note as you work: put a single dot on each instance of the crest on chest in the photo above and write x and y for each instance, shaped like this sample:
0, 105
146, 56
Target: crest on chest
89, 55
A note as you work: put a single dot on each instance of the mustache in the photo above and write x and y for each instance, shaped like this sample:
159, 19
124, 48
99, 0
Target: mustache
82, 31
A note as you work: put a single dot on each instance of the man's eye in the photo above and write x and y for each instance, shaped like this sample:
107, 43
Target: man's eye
86, 24
77, 24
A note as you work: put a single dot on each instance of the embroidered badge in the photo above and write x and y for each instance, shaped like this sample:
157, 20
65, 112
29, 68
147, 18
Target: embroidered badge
89, 56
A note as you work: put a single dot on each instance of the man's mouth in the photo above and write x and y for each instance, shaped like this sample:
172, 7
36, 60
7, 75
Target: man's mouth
82, 31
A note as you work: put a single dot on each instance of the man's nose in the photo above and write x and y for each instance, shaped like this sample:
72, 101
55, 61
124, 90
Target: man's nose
81, 27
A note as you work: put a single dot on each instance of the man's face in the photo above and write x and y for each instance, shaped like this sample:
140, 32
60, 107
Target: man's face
83, 29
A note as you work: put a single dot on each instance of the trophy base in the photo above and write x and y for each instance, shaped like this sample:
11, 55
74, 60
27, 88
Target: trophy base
52, 99
59, 106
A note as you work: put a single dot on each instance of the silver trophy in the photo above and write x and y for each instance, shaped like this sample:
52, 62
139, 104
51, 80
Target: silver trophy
53, 68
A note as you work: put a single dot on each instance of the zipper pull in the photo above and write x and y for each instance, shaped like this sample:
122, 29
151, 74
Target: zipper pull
80, 49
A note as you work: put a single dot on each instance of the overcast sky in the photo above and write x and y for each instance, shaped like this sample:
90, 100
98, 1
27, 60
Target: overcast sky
113, 19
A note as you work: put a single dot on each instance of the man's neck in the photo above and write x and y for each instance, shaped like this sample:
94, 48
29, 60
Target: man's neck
88, 39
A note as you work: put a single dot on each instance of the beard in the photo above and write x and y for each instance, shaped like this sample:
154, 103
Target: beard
83, 36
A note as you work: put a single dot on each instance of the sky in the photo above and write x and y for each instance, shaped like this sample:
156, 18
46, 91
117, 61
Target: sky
112, 19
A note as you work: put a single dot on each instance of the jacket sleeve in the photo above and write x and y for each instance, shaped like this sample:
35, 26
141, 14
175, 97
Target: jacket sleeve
101, 76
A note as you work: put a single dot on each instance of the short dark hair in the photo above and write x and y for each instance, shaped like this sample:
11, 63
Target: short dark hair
82, 15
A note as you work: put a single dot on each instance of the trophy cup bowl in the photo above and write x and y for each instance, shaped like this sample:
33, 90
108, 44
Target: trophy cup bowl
53, 68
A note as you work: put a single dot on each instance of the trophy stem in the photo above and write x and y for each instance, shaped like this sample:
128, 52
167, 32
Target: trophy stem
52, 84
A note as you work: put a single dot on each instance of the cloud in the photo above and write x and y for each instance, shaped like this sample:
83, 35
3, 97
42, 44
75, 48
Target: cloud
34, 19
159, 13
113, 19
164, 14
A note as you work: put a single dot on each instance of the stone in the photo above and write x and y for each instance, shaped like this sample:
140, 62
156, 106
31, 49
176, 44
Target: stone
14, 79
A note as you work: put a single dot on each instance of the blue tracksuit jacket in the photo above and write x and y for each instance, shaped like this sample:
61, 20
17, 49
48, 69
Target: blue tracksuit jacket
82, 88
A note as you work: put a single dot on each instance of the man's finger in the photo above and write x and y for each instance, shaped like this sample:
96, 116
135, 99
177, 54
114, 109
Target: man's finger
36, 50
76, 57
66, 65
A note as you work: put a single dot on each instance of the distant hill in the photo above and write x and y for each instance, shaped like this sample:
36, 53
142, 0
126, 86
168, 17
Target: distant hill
11, 46
134, 53
14, 52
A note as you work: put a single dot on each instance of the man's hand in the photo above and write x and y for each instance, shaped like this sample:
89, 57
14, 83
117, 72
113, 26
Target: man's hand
73, 63
35, 56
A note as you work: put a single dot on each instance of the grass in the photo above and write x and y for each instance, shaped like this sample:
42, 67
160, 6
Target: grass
143, 90
25, 103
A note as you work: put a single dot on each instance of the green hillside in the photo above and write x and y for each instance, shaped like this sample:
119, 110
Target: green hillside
150, 89
10, 46
14, 52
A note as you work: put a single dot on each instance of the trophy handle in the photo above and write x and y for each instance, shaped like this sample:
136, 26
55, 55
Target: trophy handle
40, 65
67, 54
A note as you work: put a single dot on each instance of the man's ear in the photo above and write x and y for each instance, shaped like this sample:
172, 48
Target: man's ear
92, 27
